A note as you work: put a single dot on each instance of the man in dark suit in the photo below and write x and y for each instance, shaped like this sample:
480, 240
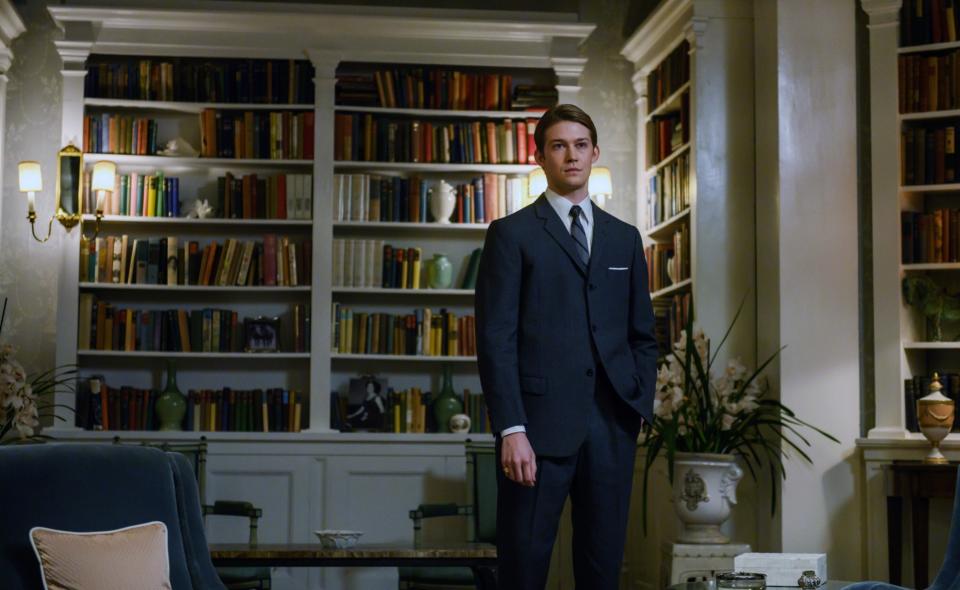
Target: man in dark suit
567, 361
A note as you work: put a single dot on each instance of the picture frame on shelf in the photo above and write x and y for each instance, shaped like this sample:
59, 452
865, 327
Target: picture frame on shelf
261, 334
366, 403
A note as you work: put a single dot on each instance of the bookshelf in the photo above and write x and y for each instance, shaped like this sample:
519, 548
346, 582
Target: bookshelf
694, 80
914, 186
534, 53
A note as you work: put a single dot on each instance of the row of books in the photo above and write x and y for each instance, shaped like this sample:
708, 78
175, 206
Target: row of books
273, 135
280, 196
421, 333
119, 134
142, 195
104, 326
666, 135
100, 407
370, 138
274, 261
409, 410
669, 262
669, 191
918, 386
271, 81
928, 82
929, 155
671, 315
928, 21
424, 88
672, 73
372, 263
930, 237
370, 197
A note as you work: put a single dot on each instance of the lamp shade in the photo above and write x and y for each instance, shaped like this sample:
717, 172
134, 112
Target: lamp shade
104, 176
538, 182
600, 181
30, 180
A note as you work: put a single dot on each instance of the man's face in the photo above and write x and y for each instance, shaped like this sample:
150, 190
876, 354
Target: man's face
568, 156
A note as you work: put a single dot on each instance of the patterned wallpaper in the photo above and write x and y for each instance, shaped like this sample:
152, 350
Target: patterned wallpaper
28, 270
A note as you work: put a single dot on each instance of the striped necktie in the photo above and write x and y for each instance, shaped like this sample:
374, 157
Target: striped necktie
579, 236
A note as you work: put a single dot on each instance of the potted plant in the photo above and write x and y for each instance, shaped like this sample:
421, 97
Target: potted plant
704, 421
933, 300
21, 395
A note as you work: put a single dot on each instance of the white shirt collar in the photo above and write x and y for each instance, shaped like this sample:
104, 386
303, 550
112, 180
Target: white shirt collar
562, 206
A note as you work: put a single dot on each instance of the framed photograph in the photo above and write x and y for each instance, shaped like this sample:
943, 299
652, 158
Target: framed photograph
261, 334
366, 403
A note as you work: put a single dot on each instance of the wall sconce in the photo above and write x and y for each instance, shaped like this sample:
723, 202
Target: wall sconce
69, 194
600, 186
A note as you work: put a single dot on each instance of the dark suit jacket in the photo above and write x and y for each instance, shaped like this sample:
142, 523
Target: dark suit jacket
545, 322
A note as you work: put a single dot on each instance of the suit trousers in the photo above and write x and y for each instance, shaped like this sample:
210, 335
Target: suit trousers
598, 479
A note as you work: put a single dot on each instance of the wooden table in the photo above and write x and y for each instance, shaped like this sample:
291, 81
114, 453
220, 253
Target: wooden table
917, 482
481, 558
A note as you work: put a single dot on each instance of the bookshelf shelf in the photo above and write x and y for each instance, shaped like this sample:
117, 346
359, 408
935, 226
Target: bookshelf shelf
929, 47
930, 266
425, 167
666, 228
440, 113
684, 284
402, 292
931, 345
666, 161
191, 288
418, 227
166, 162
672, 104
189, 107
953, 113
930, 188
122, 220
262, 356
340, 356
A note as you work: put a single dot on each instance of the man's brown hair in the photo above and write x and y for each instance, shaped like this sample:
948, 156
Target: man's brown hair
562, 112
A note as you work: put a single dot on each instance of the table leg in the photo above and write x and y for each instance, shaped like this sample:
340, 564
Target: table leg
895, 539
485, 577
921, 535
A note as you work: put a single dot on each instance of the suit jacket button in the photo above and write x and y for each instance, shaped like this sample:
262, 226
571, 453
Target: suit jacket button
589, 372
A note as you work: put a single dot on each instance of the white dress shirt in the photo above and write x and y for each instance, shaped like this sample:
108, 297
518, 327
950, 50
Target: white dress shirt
562, 206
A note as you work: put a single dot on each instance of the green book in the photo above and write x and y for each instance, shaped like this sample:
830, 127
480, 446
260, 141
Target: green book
473, 268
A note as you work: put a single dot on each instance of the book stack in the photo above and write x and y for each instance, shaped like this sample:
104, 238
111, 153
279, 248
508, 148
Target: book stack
279, 196
671, 315
669, 190
373, 138
274, 261
272, 81
932, 237
141, 195
929, 154
424, 88
274, 135
925, 21
669, 262
421, 333
672, 73
371, 197
119, 134
929, 82
373, 263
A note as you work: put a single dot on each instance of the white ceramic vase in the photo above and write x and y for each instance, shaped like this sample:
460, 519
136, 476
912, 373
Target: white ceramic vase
704, 492
443, 200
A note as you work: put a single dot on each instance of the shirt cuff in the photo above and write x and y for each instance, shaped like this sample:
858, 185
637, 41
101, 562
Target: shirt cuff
512, 430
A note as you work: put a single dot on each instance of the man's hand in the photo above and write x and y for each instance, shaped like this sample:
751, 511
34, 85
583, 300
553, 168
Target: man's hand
517, 459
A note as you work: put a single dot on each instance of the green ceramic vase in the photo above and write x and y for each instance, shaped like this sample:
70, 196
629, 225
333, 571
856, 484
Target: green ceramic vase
171, 406
447, 403
441, 272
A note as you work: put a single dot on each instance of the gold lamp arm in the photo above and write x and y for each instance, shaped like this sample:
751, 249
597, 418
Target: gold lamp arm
32, 216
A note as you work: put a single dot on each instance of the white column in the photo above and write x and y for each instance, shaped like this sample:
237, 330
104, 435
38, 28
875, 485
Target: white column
885, 142
325, 66
639, 80
74, 51
568, 65
11, 27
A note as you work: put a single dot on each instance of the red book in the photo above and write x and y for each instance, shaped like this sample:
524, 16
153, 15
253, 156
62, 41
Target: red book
270, 260
308, 136
531, 142
521, 142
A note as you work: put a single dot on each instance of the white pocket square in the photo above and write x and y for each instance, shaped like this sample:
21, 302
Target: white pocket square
618, 268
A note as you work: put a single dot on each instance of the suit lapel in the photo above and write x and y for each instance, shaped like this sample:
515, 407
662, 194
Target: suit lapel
557, 231
600, 233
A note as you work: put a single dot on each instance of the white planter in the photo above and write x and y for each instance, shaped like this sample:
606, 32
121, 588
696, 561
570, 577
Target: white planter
704, 491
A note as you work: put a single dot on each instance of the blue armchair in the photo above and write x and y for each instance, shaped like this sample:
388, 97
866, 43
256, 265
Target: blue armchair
91, 487
948, 578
